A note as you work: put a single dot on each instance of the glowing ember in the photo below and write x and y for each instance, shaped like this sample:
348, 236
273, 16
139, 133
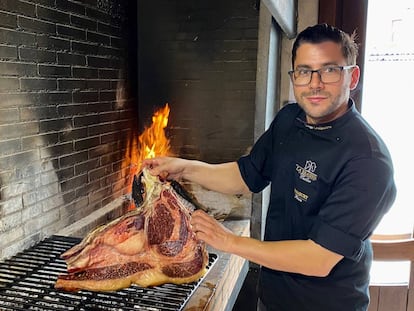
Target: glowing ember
153, 142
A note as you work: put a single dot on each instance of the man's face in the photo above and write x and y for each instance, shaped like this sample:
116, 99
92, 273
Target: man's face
323, 102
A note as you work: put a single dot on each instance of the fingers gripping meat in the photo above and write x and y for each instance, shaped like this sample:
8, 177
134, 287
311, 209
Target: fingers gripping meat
151, 245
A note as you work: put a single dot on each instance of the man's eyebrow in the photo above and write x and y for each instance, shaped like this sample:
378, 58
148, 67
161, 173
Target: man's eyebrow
304, 66
330, 64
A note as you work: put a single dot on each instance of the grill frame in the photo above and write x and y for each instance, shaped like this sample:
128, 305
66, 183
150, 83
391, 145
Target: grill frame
27, 283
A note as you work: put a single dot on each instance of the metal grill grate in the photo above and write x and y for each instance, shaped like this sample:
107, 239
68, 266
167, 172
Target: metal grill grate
27, 283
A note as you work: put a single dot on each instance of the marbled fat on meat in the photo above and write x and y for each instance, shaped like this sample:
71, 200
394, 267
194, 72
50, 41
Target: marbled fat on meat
151, 245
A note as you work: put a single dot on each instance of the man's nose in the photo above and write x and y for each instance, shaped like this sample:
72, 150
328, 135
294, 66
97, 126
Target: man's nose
316, 80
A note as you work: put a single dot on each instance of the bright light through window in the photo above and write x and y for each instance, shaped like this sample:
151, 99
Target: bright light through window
387, 101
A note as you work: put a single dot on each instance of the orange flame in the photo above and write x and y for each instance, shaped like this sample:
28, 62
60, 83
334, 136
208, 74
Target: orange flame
153, 142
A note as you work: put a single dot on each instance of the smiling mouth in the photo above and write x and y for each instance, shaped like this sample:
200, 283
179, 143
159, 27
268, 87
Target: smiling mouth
315, 99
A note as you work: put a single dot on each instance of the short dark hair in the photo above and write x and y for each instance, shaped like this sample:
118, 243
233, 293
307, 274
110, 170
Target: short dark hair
323, 32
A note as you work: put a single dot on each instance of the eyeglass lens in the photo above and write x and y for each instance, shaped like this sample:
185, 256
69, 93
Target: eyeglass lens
326, 75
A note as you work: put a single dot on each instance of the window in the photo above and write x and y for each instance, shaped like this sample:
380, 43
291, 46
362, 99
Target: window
387, 98
387, 105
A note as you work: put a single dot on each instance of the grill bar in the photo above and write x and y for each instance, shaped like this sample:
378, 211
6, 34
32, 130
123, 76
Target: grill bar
27, 283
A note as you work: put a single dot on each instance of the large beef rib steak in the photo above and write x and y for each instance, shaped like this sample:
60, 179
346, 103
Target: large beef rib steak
150, 245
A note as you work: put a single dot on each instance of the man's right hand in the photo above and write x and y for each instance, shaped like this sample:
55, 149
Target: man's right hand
167, 168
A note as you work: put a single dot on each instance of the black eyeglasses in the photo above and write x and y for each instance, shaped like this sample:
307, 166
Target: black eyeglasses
327, 74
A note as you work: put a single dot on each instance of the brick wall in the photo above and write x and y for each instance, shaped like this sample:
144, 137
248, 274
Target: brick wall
66, 112
67, 98
200, 57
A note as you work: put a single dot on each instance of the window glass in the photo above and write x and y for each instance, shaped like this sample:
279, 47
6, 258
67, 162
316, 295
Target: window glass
387, 102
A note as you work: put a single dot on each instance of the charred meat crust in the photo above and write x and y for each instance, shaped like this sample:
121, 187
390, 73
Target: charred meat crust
150, 245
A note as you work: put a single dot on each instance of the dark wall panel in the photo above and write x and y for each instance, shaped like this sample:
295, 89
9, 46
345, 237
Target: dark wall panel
66, 111
200, 57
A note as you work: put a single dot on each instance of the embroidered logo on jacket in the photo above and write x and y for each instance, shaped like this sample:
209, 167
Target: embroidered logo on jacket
307, 173
300, 196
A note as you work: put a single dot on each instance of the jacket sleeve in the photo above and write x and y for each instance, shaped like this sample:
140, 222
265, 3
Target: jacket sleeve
363, 193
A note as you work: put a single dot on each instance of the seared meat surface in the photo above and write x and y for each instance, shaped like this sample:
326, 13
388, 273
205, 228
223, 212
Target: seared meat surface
151, 245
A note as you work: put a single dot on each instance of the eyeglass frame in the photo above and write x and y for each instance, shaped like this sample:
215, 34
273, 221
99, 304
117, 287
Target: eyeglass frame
318, 71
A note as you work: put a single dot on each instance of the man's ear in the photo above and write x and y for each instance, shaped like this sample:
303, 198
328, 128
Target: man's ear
356, 72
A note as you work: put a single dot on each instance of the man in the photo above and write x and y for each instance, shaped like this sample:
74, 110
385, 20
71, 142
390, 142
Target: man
331, 182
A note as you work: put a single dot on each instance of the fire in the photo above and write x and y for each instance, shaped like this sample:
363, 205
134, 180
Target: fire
153, 142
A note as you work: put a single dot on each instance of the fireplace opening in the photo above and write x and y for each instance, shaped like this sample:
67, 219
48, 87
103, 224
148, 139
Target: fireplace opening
79, 81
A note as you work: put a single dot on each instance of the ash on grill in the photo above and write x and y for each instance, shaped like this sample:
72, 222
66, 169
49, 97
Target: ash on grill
27, 283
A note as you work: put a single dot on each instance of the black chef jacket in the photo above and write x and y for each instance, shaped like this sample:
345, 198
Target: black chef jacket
330, 183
